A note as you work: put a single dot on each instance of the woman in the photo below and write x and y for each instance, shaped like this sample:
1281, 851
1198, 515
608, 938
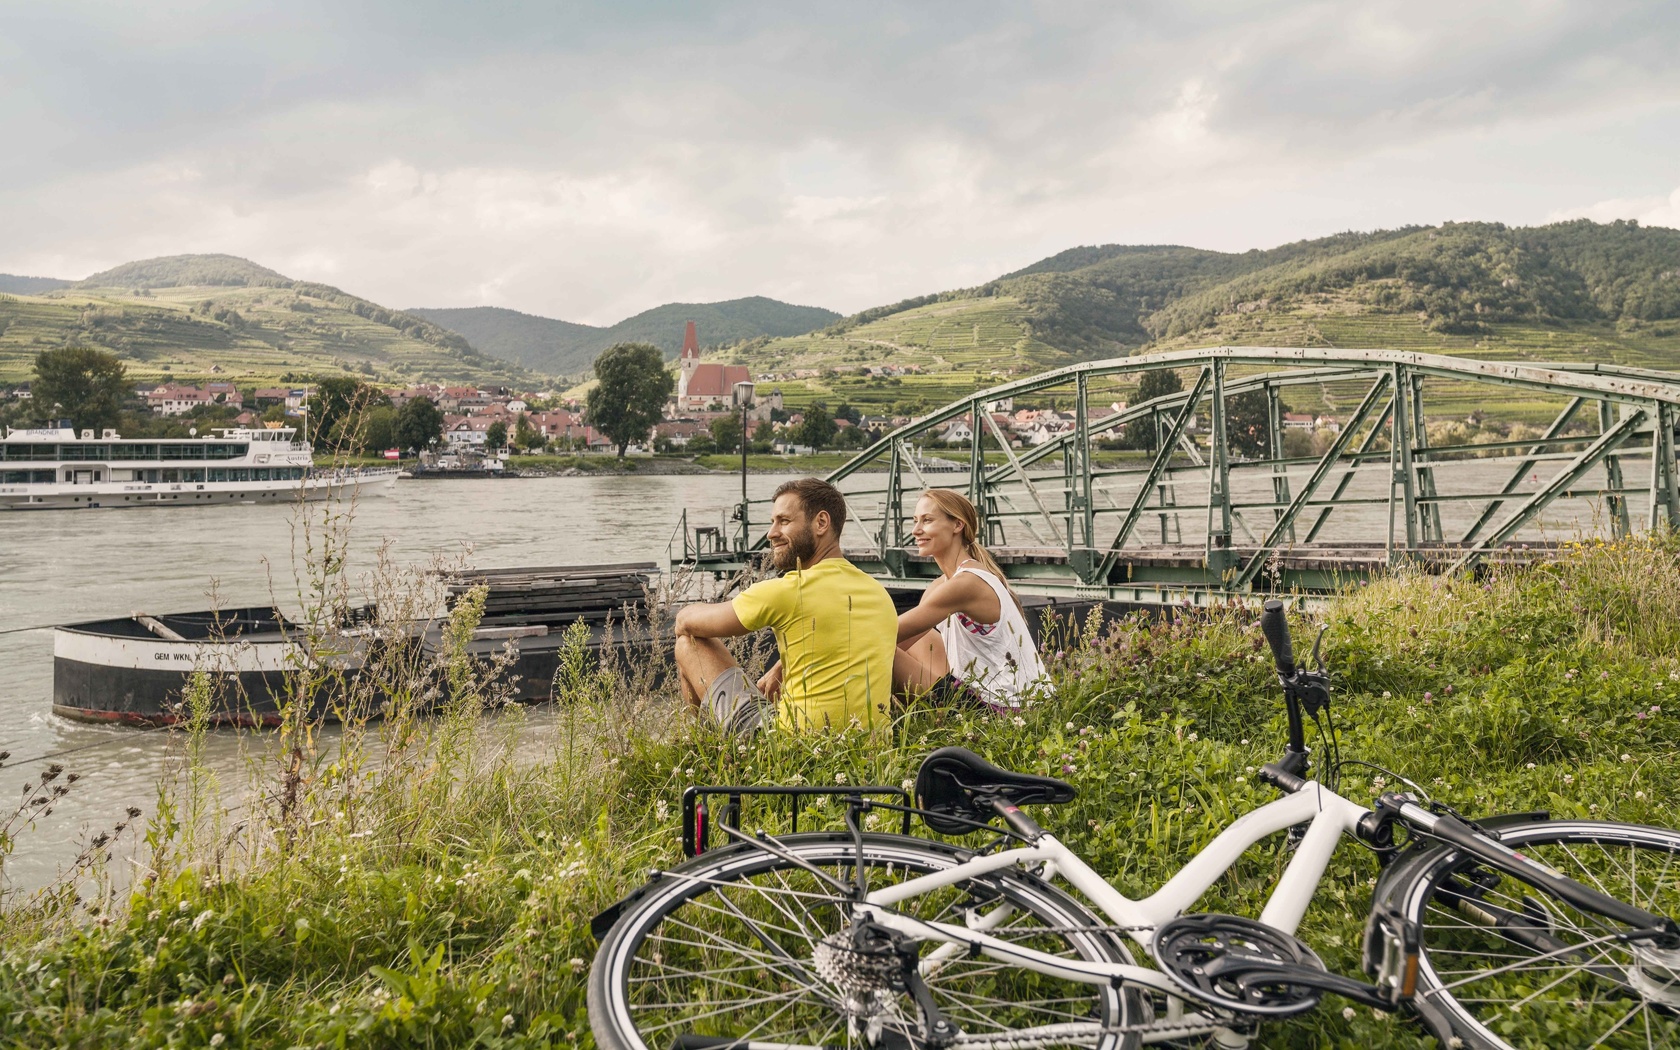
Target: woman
967, 640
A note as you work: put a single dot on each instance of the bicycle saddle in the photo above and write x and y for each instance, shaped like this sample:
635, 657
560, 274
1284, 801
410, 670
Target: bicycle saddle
956, 782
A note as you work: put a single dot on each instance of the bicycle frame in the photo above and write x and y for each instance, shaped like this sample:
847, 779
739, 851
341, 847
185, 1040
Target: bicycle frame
1329, 815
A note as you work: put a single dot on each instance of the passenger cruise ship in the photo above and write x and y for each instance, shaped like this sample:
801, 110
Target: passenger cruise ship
55, 469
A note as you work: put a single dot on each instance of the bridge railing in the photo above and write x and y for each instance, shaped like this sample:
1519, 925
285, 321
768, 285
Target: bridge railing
1210, 494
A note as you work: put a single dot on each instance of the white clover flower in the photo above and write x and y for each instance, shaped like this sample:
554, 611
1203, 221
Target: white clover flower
507, 1020
203, 917
839, 778
218, 1039
1018, 721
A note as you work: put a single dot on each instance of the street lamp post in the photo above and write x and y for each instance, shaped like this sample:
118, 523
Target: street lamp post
743, 397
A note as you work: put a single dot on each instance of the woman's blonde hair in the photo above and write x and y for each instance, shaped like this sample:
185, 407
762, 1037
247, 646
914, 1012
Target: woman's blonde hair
955, 505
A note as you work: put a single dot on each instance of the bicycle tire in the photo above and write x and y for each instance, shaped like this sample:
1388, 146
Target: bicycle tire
1505, 965
680, 961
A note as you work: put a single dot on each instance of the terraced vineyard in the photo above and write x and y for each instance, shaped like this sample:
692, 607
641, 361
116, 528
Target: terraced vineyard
250, 332
961, 345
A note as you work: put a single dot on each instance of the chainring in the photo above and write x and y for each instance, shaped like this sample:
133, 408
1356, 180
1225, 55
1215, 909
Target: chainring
1236, 964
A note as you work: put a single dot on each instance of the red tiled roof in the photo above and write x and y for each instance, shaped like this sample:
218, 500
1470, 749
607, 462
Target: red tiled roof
713, 380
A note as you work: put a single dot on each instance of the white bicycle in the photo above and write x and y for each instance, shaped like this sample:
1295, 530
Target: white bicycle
1513, 932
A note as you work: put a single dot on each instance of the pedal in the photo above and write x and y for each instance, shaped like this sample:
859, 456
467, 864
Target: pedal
1391, 952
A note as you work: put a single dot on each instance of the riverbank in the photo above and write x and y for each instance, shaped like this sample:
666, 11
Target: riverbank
443, 898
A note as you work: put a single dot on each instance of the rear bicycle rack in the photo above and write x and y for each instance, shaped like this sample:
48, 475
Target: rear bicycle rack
697, 815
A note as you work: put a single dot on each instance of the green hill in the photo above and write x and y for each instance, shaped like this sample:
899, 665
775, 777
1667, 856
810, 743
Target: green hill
562, 347
193, 316
1569, 291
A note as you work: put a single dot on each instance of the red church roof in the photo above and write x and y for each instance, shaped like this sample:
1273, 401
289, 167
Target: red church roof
712, 380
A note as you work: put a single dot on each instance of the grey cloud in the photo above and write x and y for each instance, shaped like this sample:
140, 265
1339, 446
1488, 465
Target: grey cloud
590, 160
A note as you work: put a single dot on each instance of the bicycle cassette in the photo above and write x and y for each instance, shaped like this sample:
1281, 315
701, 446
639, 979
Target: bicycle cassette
1237, 964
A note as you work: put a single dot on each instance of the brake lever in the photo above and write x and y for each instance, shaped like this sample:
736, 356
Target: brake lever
1317, 643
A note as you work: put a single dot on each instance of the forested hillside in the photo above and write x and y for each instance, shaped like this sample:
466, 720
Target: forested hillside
192, 316
562, 347
1574, 290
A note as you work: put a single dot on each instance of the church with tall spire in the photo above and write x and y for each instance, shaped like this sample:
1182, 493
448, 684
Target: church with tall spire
704, 386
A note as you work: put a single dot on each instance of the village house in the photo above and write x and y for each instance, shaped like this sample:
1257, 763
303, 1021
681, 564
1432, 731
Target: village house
171, 399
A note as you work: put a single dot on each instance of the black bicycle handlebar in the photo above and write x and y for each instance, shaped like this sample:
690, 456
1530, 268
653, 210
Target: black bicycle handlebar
1275, 626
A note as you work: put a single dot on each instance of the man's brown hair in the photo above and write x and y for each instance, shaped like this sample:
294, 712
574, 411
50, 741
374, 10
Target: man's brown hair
817, 495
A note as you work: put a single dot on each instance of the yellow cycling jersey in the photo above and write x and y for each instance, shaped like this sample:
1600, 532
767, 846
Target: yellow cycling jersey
837, 631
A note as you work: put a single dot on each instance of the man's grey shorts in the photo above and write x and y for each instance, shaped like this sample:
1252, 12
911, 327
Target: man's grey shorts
737, 703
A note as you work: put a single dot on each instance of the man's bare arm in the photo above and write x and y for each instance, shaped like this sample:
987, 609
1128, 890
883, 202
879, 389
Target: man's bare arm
709, 620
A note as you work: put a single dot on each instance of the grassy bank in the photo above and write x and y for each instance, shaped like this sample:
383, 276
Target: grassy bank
441, 895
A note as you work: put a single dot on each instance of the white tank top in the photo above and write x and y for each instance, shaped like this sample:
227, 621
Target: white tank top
998, 660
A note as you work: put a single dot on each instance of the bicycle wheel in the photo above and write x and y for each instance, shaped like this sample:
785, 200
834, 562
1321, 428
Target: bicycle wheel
1506, 965
723, 951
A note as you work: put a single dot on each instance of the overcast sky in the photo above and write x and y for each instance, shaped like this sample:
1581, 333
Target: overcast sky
590, 160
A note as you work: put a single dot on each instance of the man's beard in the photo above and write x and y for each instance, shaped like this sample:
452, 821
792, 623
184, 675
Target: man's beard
801, 547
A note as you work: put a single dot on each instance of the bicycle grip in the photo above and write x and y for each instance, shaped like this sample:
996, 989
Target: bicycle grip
1275, 626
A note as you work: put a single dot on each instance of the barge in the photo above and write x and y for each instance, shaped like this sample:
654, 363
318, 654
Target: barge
134, 670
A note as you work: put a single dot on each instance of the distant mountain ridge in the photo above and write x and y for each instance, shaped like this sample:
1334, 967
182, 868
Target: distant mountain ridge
16, 284
197, 315
564, 347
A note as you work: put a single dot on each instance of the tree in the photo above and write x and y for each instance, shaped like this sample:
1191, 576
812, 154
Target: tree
525, 436
1248, 423
726, 433
80, 382
1159, 383
848, 413
496, 436
817, 429
338, 408
419, 424
633, 387
378, 430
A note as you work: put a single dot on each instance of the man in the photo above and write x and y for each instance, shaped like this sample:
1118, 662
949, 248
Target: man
836, 628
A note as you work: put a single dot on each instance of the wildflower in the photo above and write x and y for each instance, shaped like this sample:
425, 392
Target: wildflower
1192, 736
203, 917
1604, 676
184, 906
1447, 690
507, 1020
1529, 766
1639, 794
839, 778
218, 1039
1069, 727
1068, 767
576, 964
1626, 757
1569, 675
1569, 778
1428, 696
1387, 694
1018, 721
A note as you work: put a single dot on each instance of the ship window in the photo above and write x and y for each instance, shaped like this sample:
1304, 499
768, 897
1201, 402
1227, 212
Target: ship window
137, 451
29, 451
218, 475
73, 453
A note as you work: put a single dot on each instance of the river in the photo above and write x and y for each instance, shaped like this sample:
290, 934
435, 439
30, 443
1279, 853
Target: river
68, 566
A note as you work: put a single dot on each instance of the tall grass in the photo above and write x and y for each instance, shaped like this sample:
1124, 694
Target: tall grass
430, 883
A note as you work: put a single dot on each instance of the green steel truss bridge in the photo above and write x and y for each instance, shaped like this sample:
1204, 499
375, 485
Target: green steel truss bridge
1197, 514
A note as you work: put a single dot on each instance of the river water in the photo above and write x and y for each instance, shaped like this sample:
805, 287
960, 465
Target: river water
68, 566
